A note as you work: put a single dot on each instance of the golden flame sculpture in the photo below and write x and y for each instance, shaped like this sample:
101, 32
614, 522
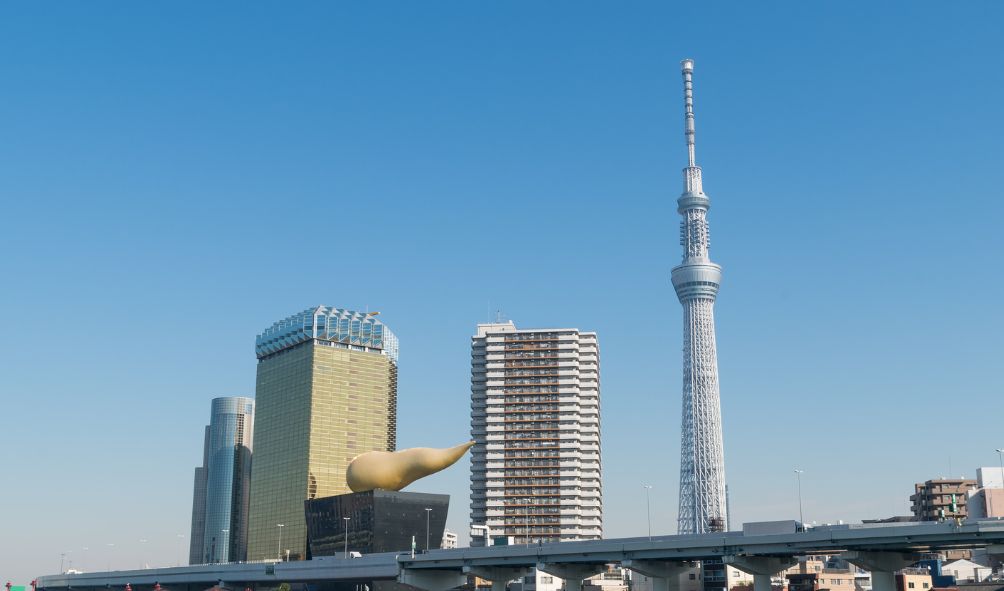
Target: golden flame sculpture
395, 470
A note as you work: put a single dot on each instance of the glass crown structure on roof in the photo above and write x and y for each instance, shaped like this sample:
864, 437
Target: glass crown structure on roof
353, 330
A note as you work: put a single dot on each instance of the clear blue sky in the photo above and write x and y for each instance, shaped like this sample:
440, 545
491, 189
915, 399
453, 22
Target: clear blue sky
174, 178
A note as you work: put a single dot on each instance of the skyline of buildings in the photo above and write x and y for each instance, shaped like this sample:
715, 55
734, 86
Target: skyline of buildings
536, 474
541, 385
535, 470
326, 391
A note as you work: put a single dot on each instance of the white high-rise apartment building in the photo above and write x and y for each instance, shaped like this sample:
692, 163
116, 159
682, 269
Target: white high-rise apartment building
535, 420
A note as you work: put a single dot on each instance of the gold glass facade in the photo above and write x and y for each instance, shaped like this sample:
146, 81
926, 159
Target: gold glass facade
318, 406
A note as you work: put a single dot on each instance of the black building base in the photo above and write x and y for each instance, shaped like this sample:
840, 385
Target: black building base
379, 521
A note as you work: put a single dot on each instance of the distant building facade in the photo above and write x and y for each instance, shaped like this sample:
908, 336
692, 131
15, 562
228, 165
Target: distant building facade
913, 579
990, 477
941, 499
967, 571
986, 500
196, 539
228, 479
831, 580
688, 580
326, 391
535, 420
375, 521
450, 540
984, 503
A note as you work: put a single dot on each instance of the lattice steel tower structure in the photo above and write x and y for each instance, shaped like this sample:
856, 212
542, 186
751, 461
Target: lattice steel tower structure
696, 280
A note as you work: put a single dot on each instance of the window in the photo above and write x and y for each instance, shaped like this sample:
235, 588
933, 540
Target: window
910, 585
693, 576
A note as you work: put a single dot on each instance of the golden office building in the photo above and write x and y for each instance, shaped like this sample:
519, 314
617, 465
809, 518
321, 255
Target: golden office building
326, 392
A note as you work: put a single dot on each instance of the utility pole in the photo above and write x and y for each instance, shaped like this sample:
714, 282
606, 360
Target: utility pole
278, 550
648, 506
346, 535
428, 512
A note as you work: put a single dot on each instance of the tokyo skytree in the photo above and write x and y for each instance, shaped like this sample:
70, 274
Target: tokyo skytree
696, 280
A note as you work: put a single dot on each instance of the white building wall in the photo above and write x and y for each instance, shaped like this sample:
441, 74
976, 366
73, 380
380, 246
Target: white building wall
966, 571
990, 477
450, 540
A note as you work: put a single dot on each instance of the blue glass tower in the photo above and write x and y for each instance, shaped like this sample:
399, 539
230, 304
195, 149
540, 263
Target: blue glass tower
228, 479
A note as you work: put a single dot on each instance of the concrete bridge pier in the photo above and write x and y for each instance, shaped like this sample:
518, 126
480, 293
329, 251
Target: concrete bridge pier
761, 567
573, 574
498, 575
665, 574
883, 566
431, 580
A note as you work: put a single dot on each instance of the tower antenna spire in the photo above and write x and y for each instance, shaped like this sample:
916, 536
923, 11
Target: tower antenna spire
688, 100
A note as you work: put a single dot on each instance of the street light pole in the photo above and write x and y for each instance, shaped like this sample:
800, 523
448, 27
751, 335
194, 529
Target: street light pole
110, 546
278, 549
1000, 457
648, 507
346, 519
798, 476
225, 550
180, 537
142, 553
428, 512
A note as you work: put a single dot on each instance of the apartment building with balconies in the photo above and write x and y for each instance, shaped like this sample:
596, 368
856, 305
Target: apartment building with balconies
941, 499
535, 419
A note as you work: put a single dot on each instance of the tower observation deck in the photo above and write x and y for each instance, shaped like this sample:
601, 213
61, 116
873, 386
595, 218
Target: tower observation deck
696, 281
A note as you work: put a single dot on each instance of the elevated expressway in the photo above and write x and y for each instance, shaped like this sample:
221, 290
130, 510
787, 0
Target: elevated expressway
880, 548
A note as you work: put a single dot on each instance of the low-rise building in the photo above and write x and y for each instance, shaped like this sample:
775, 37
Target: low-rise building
807, 565
987, 498
826, 579
689, 580
985, 502
941, 499
449, 540
913, 579
966, 571
613, 579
